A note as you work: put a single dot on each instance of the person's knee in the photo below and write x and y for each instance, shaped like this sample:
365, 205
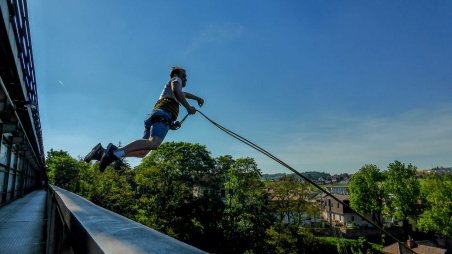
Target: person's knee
155, 142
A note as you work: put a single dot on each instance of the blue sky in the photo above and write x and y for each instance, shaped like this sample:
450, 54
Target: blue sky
323, 85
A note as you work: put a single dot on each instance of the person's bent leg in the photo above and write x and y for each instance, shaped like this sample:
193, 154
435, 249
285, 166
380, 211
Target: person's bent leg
140, 147
138, 154
154, 133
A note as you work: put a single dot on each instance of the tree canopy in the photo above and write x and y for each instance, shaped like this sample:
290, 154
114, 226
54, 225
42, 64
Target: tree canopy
403, 189
221, 205
367, 192
437, 217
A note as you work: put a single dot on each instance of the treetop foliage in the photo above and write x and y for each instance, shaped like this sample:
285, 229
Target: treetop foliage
222, 205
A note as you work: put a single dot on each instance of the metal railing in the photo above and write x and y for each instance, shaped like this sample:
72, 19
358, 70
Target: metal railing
75, 225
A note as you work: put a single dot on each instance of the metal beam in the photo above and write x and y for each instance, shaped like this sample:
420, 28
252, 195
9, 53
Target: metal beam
20, 80
9, 128
17, 140
38, 158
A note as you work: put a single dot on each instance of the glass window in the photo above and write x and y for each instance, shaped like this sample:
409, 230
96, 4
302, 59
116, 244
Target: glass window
2, 178
13, 160
4, 150
19, 165
18, 180
10, 182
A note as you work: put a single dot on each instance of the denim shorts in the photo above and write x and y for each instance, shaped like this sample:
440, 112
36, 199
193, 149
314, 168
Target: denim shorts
157, 129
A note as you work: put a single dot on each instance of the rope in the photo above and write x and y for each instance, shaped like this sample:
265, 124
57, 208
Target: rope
177, 124
271, 156
183, 119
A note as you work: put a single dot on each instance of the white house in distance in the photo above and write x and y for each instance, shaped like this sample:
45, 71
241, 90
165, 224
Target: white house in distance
338, 215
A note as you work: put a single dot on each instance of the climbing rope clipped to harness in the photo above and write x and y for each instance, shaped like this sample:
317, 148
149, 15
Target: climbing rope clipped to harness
271, 156
177, 124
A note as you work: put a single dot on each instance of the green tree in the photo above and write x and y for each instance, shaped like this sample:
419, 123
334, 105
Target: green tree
163, 196
285, 238
404, 191
367, 193
112, 190
167, 183
223, 164
188, 159
289, 196
87, 179
63, 170
437, 191
248, 212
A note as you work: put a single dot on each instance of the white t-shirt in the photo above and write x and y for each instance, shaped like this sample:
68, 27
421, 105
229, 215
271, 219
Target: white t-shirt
168, 92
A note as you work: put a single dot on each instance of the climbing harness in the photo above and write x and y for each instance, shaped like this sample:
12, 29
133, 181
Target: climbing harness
271, 156
173, 125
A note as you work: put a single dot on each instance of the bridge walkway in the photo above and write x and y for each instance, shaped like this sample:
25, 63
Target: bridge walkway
23, 225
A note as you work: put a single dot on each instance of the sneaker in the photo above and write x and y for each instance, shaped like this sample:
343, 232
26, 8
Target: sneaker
95, 154
108, 157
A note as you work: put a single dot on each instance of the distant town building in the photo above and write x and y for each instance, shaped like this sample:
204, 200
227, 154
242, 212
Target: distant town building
337, 214
420, 247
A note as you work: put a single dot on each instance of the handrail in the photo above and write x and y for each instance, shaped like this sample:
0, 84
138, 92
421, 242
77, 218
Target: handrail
78, 225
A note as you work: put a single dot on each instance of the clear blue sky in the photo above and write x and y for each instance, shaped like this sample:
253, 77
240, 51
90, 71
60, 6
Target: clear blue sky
324, 85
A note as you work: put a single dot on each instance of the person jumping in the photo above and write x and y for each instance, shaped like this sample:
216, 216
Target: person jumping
156, 126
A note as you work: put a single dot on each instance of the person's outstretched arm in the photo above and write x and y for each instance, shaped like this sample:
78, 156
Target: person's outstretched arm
194, 97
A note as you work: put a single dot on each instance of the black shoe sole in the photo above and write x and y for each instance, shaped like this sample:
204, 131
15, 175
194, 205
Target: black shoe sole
108, 157
90, 155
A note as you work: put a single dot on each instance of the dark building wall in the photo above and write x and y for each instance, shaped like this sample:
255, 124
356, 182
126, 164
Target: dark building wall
21, 149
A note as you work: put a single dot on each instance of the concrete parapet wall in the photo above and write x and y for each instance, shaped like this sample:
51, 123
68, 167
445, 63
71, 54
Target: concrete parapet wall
75, 225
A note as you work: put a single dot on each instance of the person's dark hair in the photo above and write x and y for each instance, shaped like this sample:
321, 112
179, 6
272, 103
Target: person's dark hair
177, 71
